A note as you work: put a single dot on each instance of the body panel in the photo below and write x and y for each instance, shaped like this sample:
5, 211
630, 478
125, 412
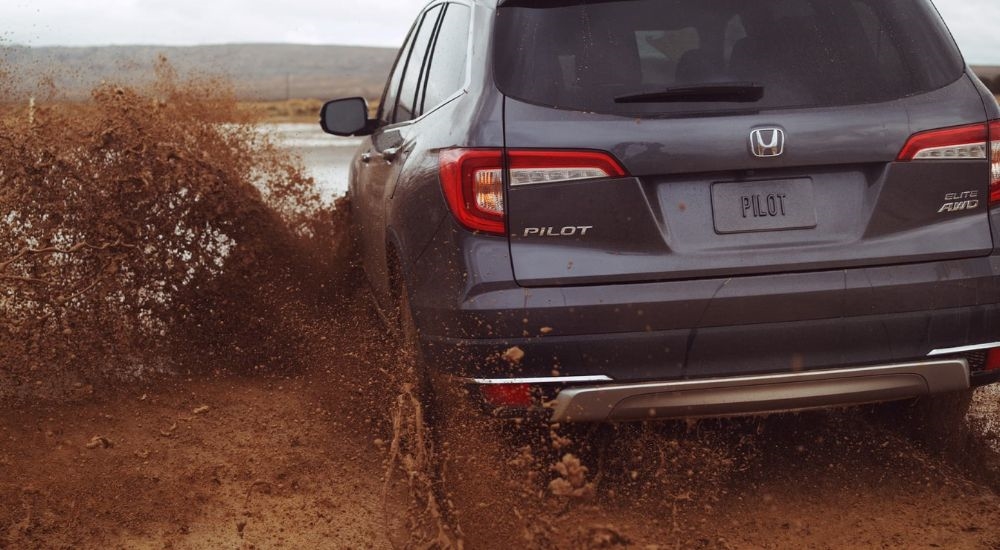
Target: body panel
659, 289
663, 223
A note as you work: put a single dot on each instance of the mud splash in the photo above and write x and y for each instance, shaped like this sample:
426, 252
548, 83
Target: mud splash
136, 226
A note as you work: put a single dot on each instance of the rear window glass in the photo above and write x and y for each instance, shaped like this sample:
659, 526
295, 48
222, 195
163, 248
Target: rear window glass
589, 56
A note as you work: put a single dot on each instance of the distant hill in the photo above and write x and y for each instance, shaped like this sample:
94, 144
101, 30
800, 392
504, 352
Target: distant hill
259, 71
987, 71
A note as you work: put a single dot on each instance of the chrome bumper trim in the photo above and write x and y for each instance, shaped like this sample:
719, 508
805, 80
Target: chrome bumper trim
759, 394
963, 349
545, 380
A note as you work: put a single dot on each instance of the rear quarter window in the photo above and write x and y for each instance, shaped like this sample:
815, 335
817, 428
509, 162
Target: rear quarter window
448, 63
416, 65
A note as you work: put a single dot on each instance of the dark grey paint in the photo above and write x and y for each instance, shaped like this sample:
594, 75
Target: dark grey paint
660, 225
657, 293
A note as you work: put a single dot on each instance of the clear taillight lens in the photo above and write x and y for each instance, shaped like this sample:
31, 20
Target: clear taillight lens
528, 176
955, 152
487, 188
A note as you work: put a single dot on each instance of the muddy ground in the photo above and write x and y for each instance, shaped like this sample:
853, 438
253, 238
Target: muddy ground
297, 460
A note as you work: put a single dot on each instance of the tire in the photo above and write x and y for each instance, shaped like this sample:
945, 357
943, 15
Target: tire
415, 513
938, 420
467, 471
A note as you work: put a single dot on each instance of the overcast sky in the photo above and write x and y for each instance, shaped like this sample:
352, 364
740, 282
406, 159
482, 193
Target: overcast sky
976, 23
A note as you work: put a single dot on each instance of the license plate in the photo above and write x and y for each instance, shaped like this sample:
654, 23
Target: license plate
779, 205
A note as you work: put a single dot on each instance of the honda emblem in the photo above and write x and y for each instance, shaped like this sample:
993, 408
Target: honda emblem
767, 142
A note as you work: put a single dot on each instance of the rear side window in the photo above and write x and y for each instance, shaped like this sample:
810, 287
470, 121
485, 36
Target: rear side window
406, 106
448, 64
387, 108
587, 56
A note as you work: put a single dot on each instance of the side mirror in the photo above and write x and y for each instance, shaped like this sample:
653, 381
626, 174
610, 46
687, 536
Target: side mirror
345, 117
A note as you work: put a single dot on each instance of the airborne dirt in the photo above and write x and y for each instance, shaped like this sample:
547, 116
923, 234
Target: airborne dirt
209, 373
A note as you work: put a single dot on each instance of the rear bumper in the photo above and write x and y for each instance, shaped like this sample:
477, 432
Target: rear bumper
715, 347
759, 394
712, 329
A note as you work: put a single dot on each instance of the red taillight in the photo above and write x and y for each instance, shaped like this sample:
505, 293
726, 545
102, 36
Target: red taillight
528, 167
993, 360
473, 185
994, 153
972, 142
508, 395
473, 179
958, 143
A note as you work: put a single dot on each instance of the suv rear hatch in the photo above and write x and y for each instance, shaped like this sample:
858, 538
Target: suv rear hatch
752, 136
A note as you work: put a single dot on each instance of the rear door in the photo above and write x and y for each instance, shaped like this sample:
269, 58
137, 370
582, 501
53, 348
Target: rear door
378, 165
755, 136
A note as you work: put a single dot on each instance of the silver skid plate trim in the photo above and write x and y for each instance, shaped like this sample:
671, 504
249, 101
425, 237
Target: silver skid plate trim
963, 349
545, 380
761, 394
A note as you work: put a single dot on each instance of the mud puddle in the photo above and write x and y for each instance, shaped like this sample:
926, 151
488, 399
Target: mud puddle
326, 158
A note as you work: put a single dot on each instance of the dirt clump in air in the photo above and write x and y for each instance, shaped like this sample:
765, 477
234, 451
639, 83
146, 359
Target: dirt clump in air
148, 226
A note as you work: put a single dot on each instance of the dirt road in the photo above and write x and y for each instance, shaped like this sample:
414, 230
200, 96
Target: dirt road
297, 460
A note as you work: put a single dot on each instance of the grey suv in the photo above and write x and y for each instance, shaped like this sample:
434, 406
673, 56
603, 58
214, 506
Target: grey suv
634, 209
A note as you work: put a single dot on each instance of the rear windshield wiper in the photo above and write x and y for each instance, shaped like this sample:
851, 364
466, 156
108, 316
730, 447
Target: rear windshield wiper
734, 92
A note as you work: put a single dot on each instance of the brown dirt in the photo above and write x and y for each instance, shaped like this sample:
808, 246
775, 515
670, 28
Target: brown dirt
266, 467
824, 480
285, 415
258, 460
298, 460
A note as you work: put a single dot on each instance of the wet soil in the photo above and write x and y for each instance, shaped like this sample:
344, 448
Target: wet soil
216, 461
298, 460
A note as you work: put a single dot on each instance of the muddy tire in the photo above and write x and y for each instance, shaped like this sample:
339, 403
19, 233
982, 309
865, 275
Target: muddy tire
937, 420
415, 514
490, 484
480, 481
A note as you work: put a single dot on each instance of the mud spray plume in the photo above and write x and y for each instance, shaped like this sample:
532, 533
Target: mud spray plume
133, 227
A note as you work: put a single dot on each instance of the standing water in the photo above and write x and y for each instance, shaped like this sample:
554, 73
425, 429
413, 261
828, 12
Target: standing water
327, 159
